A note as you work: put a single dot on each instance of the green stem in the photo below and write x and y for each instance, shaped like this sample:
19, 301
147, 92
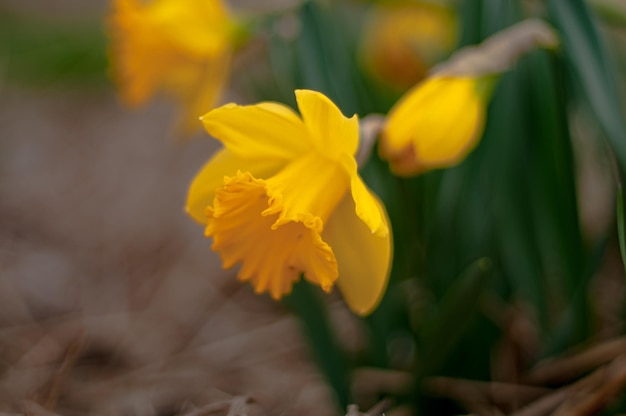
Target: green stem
307, 305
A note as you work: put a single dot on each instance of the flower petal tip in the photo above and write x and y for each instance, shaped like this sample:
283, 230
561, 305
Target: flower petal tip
381, 232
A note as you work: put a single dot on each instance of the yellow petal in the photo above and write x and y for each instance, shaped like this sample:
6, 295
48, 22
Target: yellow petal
435, 125
363, 258
308, 187
464, 109
199, 28
267, 130
403, 117
211, 177
180, 47
204, 94
330, 131
133, 45
272, 258
367, 207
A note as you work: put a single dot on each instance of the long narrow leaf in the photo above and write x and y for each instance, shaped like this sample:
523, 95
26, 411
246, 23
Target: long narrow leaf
590, 63
621, 232
311, 311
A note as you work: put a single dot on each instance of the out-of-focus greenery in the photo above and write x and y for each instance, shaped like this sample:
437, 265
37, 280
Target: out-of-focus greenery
41, 52
499, 232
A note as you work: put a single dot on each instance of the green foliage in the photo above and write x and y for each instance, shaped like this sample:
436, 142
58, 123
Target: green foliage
307, 304
514, 200
621, 230
44, 53
592, 66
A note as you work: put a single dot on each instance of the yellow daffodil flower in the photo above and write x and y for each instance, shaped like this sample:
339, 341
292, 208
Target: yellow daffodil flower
402, 40
438, 122
180, 47
435, 125
284, 199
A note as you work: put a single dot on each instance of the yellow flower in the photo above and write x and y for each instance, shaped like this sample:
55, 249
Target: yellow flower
284, 199
403, 40
439, 121
180, 47
436, 124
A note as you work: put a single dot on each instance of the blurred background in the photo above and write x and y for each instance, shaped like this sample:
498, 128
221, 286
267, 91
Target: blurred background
507, 290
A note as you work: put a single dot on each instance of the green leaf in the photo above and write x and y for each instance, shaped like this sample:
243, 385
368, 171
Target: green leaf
621, 232
308, 306
454, 315
592, 66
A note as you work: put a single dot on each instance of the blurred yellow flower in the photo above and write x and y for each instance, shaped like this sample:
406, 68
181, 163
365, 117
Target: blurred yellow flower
440, 120
436, 124
284, 198
402, 40
180, 47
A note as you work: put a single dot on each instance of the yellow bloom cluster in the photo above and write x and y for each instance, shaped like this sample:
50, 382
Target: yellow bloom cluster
182, 48
284, 199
